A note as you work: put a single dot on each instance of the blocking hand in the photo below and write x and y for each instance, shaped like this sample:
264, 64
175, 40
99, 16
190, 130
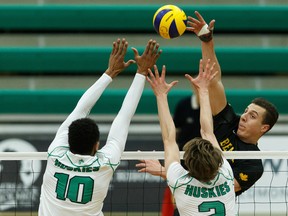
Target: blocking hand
148, 58
116, 61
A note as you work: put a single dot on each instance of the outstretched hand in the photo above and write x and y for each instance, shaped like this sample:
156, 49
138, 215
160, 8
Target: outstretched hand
116, 61
158, 82
205, 76
148, 58
198, 25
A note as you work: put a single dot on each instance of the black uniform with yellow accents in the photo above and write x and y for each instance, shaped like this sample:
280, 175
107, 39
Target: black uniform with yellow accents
246, 171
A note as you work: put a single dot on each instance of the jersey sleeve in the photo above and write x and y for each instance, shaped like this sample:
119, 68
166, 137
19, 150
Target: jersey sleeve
82, 110
247, 172
118, 133
174, 172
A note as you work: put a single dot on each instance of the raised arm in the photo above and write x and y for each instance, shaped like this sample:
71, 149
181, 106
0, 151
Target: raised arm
201, 83
205, 33
90, 97
161, 89
119, 130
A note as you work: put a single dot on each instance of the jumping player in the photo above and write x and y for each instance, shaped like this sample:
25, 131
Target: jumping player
207, 186
77, 175
233, 132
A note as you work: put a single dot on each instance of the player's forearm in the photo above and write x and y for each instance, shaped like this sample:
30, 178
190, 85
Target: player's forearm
119, 128
133, 96
166, 122
206, 120
208, 52
216, 90
91, 96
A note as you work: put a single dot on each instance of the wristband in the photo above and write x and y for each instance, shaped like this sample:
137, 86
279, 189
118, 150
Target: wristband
204, 30
205, 34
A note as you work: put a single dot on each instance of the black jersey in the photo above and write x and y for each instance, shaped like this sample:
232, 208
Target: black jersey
246, 171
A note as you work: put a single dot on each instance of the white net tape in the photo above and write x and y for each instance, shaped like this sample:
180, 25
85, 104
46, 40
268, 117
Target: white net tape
136, 155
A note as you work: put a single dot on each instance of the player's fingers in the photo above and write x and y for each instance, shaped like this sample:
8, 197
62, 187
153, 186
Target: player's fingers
211, 25
173, 83
211, 69
189, 18
148, 80
155, 51
187, 76
156, 72
192, 24
199, 16
148, 47
129, 62
135, 51
114, 48
124, 48
207, 66
118, 46
152, 47
201, 66
158, 55
141, 165
151, 78
190, 29
163, 73
142, 170
193, 20
215, 74
151, 74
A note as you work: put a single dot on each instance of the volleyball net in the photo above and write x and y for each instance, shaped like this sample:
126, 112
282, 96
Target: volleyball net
134, 193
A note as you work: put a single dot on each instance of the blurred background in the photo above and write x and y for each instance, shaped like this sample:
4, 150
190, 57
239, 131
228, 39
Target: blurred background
51, 51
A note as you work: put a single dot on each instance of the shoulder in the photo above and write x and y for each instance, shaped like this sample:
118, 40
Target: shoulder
226, 165
175, 170
58, 151
225, 122
227, 114
177, 175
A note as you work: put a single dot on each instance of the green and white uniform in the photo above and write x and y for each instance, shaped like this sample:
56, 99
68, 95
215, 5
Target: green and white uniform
77, 184
196, 198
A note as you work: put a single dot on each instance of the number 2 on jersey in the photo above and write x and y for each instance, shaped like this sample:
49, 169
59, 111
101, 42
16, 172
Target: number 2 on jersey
218, 206
78, 189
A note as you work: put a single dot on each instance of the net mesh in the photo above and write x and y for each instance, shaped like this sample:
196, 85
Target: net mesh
134, 193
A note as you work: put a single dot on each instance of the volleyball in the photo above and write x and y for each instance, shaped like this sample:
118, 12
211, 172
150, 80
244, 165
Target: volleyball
170, 21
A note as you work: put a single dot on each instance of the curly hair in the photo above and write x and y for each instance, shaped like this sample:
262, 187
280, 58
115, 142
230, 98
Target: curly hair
83, 134
202, 159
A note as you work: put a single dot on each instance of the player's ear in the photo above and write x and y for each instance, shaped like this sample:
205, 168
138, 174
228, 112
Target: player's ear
97, 146
265, 128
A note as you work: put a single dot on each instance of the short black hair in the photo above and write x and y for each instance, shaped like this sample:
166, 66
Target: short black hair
271, 112
83, 134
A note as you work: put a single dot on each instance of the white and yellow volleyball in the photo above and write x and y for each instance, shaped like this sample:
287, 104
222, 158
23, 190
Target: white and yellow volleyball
170, 21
